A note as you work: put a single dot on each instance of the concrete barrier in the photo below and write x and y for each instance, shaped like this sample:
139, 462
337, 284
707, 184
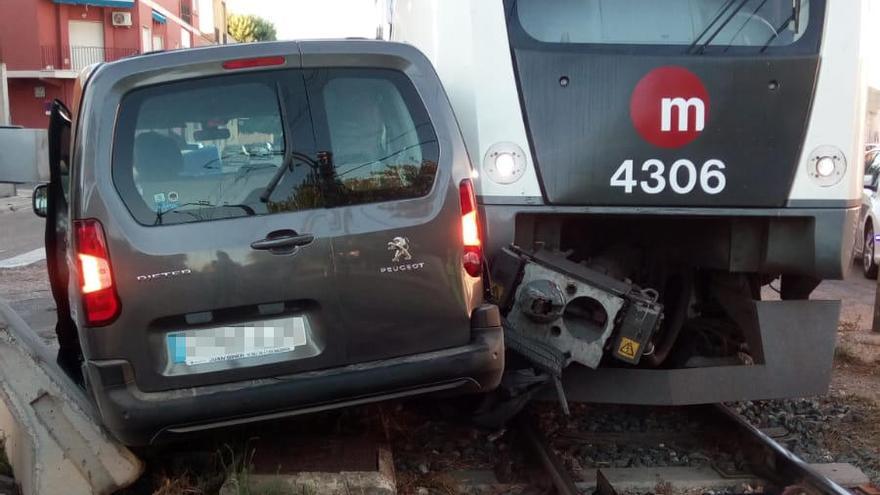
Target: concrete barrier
24, 155
53, 440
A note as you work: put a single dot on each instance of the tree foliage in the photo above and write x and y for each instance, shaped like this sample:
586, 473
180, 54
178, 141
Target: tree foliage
248, 28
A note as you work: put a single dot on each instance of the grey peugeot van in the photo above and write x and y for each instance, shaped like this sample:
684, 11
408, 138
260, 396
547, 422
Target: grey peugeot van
253, 231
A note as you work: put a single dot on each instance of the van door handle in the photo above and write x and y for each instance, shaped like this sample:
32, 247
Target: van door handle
281, 242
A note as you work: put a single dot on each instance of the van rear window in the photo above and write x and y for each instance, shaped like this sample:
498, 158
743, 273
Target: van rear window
381, 139
209, 149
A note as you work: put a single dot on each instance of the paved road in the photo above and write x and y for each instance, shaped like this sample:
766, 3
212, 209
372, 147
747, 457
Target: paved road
857, 294
21, 232
23, 280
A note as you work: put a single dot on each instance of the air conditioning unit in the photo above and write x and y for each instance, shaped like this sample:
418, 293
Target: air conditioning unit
121, 18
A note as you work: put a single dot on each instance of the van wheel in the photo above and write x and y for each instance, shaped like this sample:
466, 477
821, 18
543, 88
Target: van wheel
869, 267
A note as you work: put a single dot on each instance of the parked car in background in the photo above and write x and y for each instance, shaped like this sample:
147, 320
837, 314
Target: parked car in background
869, 226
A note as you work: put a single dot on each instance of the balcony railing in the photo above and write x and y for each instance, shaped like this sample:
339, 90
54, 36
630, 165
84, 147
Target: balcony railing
77, 57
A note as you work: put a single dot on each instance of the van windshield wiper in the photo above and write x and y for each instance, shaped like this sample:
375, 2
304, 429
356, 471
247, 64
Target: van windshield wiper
286, 166
204, 204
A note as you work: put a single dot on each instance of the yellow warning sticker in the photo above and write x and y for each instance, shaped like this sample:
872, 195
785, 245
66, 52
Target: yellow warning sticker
628, 348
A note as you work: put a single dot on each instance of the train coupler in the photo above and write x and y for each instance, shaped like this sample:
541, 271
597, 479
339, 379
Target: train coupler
558, 312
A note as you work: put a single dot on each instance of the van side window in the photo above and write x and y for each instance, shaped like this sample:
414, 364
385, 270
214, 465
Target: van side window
206, 149
383, 146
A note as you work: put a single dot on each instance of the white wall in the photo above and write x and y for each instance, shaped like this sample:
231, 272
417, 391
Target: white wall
206, 15
872, 35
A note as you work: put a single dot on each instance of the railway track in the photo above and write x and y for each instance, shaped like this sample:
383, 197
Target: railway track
423, 451
763, 464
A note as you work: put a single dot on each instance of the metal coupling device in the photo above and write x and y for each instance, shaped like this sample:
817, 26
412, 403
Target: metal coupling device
559, 312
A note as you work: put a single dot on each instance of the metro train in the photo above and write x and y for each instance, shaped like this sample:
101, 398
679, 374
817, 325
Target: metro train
697, 160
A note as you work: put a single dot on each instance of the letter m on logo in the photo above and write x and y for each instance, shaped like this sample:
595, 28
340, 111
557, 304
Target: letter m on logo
683, 109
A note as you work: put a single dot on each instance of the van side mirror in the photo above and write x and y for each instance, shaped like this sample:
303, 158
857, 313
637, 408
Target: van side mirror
40, 200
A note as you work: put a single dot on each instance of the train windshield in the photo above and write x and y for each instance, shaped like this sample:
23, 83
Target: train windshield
700, 24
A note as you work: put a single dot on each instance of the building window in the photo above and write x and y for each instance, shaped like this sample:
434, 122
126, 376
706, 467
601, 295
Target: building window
146, 39
86, 43
186, 11
185, 40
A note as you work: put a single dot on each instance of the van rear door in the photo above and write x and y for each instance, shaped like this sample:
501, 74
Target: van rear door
213, 281
253, 232
396, 193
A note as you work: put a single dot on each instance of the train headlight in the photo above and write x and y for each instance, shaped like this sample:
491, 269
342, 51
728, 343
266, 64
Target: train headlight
504, 163
827, 165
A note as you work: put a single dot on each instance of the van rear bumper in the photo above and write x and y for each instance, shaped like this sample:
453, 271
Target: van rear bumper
140, 418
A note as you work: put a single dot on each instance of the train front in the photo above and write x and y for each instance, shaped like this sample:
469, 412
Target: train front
676, 177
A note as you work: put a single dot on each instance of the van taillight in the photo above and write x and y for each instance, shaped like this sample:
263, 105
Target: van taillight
470, 230
100, 302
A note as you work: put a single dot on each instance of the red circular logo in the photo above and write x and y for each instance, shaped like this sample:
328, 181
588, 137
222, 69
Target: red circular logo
670, 107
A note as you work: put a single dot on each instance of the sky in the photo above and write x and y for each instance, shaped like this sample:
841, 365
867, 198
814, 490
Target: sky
298, 19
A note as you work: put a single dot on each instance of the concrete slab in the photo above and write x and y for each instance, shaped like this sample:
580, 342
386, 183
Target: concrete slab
845, 475
345, 483
667, 480
480, 482
330, 465
693, 480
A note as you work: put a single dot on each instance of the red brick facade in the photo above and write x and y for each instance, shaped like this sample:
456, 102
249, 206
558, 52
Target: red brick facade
42, 62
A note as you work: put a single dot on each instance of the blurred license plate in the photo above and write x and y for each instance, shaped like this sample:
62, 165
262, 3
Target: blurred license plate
211, 345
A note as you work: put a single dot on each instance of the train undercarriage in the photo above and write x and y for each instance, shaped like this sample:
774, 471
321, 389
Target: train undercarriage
664, 309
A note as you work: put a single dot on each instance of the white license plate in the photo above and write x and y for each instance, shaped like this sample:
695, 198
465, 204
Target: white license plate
211, 345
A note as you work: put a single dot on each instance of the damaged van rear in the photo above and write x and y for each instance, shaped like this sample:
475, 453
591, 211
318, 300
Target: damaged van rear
254, 231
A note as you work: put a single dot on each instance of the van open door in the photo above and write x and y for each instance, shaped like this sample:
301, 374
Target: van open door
57, 193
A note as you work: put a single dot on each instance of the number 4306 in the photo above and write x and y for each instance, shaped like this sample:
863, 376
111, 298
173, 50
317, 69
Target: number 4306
682, 177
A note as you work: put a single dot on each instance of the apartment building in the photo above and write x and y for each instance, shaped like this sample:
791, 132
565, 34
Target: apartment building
45, 43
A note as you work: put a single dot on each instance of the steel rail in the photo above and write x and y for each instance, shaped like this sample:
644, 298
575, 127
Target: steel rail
554, 467
775, 463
